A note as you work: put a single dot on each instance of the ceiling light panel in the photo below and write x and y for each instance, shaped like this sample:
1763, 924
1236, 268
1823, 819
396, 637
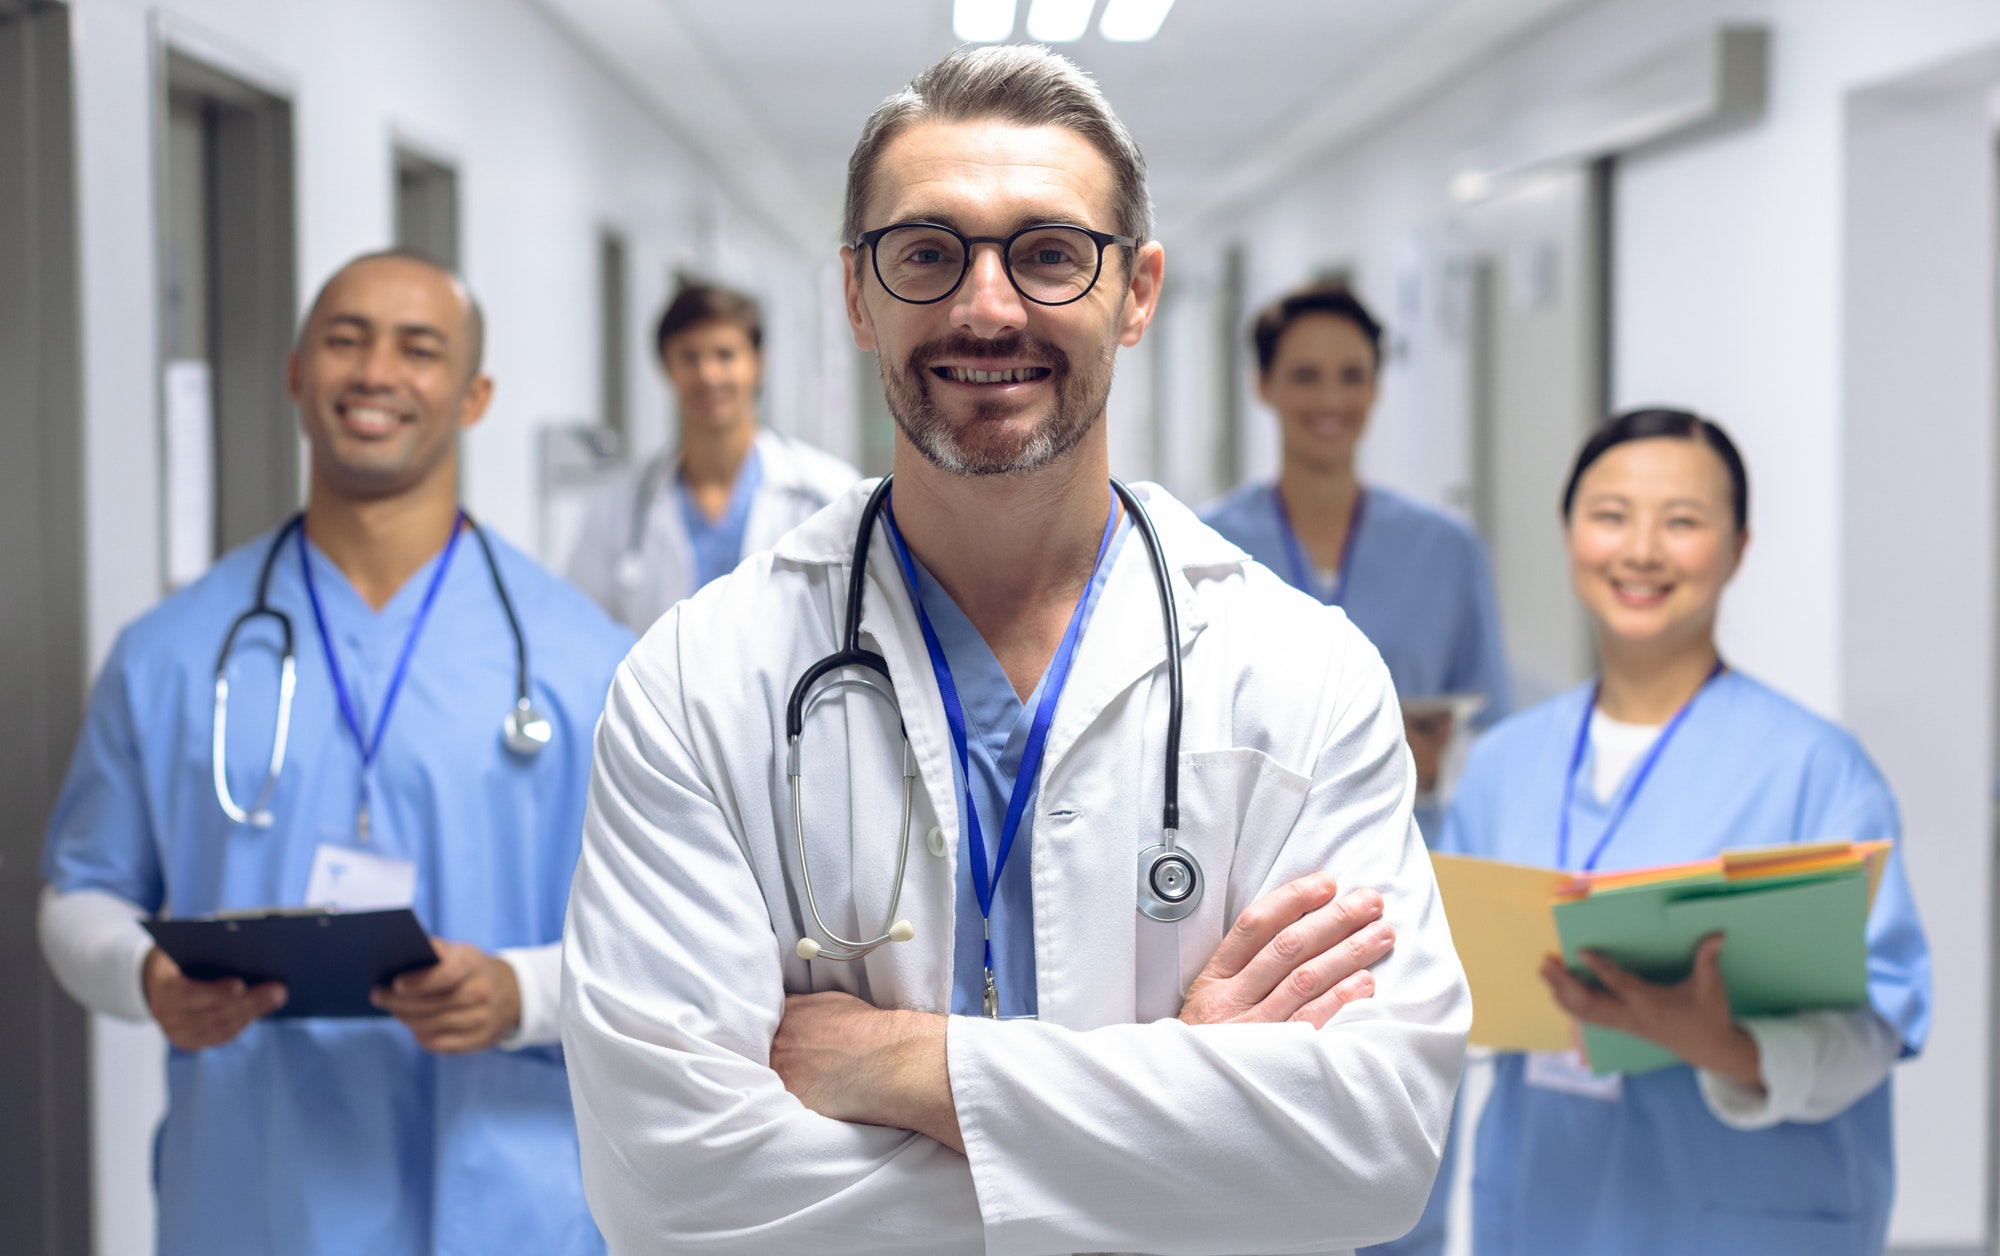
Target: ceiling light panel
983, 21
1059, 21
1133, 21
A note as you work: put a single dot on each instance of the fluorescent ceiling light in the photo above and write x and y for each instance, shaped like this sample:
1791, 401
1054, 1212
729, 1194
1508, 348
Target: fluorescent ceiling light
983, 21
1131, 21
1059, 21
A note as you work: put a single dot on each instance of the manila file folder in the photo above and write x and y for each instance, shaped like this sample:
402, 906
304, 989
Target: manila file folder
1501, 924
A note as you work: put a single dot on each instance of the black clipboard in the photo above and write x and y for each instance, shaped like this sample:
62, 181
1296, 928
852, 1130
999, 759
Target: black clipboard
328, 960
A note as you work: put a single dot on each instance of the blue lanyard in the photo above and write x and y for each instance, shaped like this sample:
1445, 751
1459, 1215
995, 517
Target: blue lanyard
370, 745
1303, 576
1623, 803
1038, 732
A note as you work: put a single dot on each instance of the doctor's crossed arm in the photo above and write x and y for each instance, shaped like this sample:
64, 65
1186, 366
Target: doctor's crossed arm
1300, 953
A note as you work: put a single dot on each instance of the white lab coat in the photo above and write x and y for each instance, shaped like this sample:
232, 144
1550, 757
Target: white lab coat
634, 558
1104, 1126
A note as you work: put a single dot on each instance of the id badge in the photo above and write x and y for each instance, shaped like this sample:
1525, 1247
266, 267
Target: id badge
1565, 1073
346, 879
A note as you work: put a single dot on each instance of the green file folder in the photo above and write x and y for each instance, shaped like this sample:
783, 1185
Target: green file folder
1788, 946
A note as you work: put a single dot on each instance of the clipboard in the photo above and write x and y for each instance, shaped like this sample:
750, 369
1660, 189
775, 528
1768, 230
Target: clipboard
328, 960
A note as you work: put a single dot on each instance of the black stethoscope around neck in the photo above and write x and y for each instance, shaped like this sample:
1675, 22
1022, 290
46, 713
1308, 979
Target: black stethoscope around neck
1170, 877
525, 731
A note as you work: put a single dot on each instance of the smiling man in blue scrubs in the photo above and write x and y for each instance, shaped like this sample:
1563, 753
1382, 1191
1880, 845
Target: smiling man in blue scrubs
447, 1128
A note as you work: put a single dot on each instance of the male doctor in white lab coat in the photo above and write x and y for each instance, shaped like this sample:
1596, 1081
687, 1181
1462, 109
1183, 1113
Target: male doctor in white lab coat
1273, 1072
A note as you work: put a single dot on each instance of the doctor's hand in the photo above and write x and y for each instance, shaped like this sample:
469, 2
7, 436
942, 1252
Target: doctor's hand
1690, 1018
1300, 953
198, 1014
467, 1001
856, 1062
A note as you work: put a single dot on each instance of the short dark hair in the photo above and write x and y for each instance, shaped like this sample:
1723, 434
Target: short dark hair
1659, 421
697, 301
1275, 319
475, 318
1025, 84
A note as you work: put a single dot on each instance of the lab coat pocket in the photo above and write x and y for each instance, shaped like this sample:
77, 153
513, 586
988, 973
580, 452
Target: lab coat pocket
1725, 1232
1237, 809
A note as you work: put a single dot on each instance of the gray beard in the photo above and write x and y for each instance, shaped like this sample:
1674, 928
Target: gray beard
1079, 405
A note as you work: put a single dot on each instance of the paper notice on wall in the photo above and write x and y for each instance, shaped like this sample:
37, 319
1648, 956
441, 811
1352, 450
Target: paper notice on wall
189, 500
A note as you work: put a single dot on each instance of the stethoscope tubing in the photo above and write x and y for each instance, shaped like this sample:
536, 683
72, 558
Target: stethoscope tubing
807, 693
258, 814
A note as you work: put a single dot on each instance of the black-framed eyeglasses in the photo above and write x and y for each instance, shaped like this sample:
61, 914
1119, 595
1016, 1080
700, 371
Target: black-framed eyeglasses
1051, 263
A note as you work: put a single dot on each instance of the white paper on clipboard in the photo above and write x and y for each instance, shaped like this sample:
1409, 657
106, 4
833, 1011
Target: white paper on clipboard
1462, 708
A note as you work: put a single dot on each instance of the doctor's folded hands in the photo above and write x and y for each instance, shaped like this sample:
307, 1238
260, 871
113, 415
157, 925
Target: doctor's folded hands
1005, 862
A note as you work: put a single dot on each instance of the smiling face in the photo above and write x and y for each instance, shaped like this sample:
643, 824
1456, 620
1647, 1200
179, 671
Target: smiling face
985, 382
1653, 541
383, 378
1322, 384
715, 369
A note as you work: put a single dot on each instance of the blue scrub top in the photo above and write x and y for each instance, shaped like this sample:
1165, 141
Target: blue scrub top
1419, 588
342, 1136
1654, 1171
718, 544
996, 734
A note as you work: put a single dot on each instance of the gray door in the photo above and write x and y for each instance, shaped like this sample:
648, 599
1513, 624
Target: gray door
228, 298
44, 1112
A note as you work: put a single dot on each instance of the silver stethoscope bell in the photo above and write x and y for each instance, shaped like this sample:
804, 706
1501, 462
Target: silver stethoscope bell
526, 730
1169, 882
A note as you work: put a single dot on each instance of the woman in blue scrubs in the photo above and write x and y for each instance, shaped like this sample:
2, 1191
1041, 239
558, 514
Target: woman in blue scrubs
1774, 1136
1412, 578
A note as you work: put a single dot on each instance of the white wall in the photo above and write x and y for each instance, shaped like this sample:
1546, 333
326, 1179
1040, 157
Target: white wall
547, 149
1731, 283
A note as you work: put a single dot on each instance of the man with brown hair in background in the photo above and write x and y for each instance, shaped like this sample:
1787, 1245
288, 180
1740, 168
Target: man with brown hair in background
670, 525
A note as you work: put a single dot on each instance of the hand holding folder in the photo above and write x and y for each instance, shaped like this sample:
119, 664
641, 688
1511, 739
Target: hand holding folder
1794, 919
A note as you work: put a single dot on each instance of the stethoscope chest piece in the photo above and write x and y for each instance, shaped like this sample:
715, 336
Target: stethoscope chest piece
1170, 882
526, 730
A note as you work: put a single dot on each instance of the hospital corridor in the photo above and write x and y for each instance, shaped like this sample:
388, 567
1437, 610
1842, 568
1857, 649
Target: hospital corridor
1000, 626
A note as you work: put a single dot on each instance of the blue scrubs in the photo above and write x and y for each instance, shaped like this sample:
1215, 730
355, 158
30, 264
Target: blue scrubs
342, 1136
997, 724
1419, 588
1653, 1171
718, 544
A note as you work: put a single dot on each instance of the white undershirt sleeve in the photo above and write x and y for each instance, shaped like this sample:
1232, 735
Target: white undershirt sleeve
1815, 1066
538, 972
97, 950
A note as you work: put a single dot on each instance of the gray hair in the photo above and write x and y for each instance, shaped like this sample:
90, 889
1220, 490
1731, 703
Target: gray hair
1025, 84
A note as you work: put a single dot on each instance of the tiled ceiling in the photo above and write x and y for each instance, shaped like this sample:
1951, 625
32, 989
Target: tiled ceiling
1222, 75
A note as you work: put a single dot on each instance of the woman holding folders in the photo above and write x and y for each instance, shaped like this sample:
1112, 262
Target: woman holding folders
1773, 1136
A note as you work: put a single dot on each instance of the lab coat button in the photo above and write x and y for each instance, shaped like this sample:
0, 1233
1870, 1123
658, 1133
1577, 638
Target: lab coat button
934, 840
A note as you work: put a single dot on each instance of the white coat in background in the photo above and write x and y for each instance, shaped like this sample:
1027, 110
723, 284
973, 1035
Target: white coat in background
634, 558
1104, 1126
